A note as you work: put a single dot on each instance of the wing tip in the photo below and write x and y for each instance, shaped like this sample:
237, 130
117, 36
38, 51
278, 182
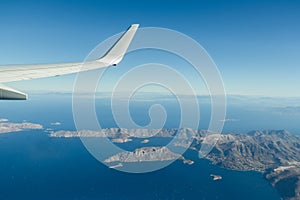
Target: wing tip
134, 26
116, 53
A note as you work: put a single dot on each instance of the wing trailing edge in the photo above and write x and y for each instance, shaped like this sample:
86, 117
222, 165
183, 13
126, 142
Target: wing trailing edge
7, 93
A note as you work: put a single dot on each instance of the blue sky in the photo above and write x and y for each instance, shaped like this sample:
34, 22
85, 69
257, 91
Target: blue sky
255, 44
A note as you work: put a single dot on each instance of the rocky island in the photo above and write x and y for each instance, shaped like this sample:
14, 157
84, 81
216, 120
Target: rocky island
216, 177
147, 154
256, 150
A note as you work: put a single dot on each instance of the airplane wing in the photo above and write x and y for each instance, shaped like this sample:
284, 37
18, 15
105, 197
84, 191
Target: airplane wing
25, 72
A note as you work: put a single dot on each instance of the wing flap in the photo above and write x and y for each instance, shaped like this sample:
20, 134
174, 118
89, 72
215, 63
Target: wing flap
7, 93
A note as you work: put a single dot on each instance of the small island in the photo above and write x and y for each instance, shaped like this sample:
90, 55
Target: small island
186, 161
145, 141
216, 177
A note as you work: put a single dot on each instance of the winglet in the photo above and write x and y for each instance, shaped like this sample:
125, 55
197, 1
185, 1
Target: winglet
116, 53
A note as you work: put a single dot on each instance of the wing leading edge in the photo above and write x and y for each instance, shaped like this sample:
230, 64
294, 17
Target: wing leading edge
25, 72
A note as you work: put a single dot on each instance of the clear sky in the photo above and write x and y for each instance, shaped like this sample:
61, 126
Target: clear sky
255, 44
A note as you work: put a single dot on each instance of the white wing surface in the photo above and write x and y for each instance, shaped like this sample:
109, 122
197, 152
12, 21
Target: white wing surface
25, 72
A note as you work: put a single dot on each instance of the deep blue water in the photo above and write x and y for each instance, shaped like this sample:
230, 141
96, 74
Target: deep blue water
35, 166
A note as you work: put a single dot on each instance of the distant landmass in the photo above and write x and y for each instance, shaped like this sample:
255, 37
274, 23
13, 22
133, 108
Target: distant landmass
275, 153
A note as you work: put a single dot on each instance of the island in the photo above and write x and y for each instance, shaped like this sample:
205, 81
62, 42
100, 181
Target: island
216, 177
146, 154
145, 141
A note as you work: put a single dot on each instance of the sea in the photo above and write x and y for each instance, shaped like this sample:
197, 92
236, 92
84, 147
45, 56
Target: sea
35, 166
